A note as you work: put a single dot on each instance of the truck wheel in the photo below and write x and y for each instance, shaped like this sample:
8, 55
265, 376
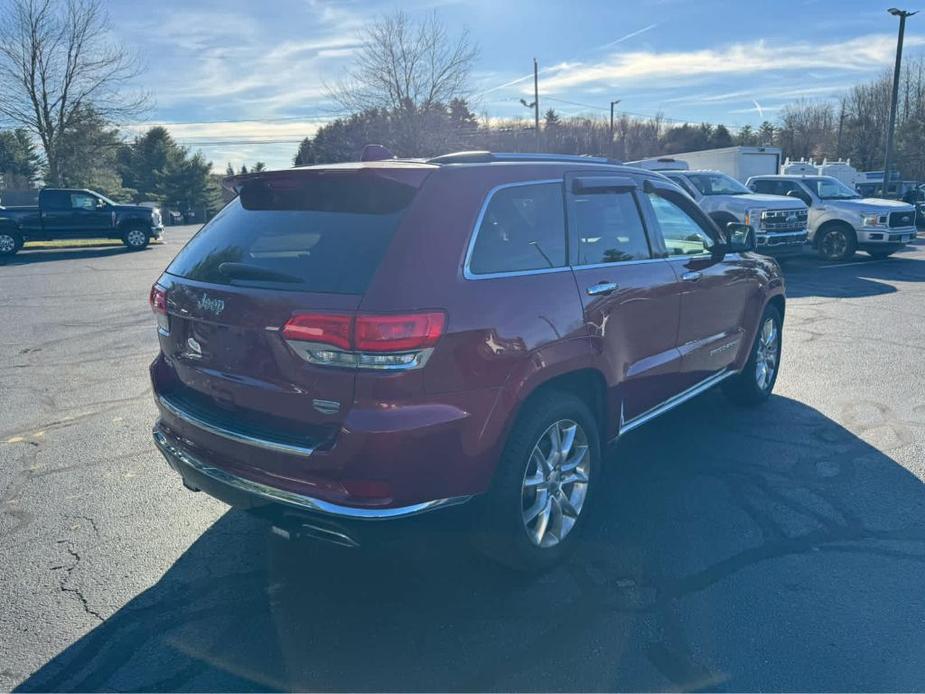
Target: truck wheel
838, 242
880, 255
753, 385
539, 500
10, 243
135, 239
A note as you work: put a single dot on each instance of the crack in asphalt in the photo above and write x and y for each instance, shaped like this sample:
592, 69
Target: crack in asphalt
75, 590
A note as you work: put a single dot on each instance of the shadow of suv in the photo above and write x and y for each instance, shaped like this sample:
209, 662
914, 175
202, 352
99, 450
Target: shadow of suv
361, 343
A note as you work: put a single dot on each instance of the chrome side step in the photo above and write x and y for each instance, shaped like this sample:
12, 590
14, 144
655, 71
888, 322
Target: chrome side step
678, 399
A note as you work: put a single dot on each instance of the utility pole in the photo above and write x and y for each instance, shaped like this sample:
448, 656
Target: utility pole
888, 156
536, 103
612, 104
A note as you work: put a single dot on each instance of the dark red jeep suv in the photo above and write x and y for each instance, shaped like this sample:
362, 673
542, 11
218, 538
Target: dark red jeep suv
358, 343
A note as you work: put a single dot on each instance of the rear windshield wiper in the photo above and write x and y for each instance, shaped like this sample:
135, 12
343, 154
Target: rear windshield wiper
243, 271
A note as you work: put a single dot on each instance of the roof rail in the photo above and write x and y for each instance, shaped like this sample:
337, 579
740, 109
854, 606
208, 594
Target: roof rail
485, 157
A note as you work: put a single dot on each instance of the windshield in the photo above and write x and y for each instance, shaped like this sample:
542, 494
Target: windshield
828, 188
717, 184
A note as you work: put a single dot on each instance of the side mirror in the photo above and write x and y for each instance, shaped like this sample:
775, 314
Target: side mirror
800, 195
740, 238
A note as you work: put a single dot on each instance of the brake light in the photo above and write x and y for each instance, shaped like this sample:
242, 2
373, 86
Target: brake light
325, 328
372, 341
158, 300
390, 333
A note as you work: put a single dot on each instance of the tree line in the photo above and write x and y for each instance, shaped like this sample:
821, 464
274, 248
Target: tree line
64, 83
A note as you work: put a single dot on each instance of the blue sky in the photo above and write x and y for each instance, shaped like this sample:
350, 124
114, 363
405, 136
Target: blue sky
244, 81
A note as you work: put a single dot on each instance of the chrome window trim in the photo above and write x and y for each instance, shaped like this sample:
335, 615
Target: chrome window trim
232, 435
473, 237
619, 263
176, 457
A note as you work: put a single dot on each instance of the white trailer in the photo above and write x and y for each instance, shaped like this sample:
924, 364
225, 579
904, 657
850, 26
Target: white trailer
739, 162
799, 168
842, 170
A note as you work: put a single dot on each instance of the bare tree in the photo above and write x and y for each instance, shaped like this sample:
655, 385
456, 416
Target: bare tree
56, 63
406, 65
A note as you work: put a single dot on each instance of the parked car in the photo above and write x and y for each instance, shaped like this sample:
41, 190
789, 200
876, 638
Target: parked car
840, 220
70, 213
345, 346
779, 223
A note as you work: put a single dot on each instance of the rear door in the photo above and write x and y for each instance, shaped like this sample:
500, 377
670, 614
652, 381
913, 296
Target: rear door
713, 291
629, 293
301, 242
55, 210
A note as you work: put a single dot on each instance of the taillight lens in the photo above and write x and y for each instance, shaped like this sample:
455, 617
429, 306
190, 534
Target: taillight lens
373, 341
325, 328
398, 333
158, 300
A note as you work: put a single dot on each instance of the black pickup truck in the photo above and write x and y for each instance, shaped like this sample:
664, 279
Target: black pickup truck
68, 213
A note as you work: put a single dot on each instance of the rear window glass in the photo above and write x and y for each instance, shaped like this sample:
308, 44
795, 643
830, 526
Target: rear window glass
323, 233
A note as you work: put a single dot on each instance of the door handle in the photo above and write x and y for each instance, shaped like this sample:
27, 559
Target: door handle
601, 288
692, 276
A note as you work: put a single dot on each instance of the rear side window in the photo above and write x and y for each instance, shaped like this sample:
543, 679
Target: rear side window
55, 200
523, 228
609, 229
310, 233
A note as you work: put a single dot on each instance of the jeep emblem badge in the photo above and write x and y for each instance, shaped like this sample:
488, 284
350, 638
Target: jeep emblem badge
214, 306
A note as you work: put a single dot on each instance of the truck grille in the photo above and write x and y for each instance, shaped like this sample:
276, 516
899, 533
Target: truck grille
902, 219
783, 220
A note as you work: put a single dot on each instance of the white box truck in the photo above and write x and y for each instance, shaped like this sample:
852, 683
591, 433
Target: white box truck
739, 162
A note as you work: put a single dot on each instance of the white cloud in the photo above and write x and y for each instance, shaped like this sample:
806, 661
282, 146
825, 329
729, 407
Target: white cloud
860, 54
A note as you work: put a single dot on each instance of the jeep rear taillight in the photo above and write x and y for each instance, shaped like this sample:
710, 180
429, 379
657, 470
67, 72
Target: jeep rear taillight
387, 333
368, 340
323, 328
158, 300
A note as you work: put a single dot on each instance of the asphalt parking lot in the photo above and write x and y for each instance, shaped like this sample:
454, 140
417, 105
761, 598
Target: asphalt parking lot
781, 548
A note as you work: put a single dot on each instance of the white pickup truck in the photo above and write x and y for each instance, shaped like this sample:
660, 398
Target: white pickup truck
840, 220
779, 223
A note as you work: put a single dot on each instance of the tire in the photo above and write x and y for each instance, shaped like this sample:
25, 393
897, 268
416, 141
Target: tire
838, 242
751, 386
880, 255
135, 238
523, 524
10, 243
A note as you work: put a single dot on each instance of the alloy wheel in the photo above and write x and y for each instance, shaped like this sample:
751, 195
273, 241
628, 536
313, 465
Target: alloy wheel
767, 354
555, 484
136, 238
834, 244
7, 244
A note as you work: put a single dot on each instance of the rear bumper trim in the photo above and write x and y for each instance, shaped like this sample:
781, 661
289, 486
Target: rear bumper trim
180, 459
240, 437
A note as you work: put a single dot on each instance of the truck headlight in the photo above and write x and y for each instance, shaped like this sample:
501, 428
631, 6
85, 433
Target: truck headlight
753, 218
874, 220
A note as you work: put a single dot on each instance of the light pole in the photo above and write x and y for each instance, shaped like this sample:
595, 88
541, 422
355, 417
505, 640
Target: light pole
612, 104
888, 156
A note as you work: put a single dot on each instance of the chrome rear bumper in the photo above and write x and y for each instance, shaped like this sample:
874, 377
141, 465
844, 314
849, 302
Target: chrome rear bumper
218, 481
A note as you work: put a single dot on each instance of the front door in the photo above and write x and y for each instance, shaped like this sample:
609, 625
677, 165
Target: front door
714, 290
629, 294
90, 216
